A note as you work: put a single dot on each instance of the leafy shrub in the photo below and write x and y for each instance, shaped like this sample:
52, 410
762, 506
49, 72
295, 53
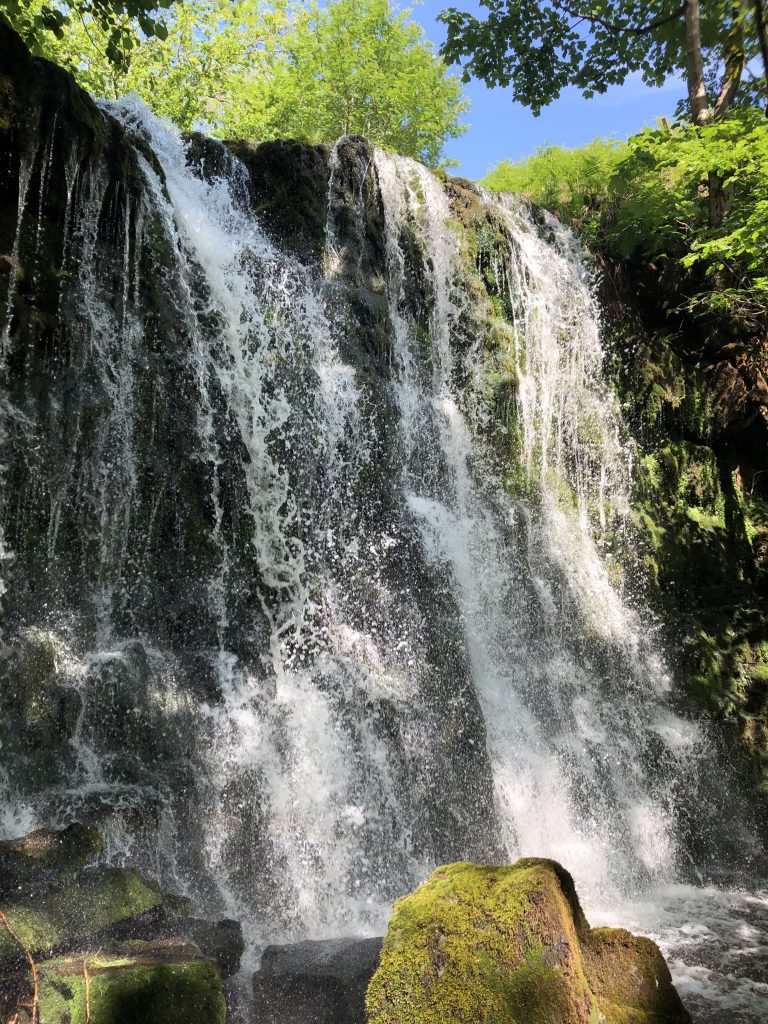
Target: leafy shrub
572, 183
697, 195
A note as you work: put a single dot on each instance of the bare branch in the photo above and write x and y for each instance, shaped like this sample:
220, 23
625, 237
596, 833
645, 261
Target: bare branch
614, 27
30, 959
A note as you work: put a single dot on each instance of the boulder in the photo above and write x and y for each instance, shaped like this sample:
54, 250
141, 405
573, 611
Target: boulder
148, 982
108, 945
315, 982
511, 945
220, 941
47, 855
93, 901
630, 979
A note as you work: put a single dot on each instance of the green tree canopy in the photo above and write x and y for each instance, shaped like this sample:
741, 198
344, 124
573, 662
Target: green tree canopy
116, 20
266, 69
539, 48
361, 67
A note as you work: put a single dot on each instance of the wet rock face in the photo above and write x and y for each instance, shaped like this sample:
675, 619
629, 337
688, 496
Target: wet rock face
694, 393
289, 183
320, 982
136, 604
510, 945
47, 856
96, 363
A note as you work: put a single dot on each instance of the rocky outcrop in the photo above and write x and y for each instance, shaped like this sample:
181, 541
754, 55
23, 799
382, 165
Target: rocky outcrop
82, 941
322, 982
289, 191
511, 945
693, 390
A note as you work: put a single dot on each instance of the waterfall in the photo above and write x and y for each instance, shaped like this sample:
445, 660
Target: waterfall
327, 565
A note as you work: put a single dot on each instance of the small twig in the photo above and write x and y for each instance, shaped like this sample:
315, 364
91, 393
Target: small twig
87, 979
30, 958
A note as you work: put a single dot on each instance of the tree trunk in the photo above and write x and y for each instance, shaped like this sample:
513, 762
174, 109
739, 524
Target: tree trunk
720, 199
697, 93
762, 35
734, 59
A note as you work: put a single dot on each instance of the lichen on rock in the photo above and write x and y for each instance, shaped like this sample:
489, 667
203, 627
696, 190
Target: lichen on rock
511, 945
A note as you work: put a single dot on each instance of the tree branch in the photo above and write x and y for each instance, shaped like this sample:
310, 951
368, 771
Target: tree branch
30, 959
613, 27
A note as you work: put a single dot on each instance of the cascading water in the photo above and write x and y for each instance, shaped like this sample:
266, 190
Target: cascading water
322, 564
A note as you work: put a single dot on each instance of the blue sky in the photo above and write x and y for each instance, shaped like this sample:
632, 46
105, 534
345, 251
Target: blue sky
500, 129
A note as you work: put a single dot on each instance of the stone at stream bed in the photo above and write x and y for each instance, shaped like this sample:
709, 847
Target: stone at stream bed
220, 941
93, 901
137, 983
315, 982
510, 945
47, 855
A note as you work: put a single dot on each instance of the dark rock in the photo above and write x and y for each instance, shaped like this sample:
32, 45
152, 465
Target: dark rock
220, 941
47, 856
289, 182
315, 982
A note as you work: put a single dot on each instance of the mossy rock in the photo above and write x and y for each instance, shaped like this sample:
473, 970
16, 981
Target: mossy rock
152, 983
62, 853
630, 978
60, 916
510, 945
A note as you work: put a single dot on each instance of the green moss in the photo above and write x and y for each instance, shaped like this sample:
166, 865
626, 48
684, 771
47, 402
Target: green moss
510, 945
630, 979
92, 902
151, 983
480, 944
7, 104
702, 539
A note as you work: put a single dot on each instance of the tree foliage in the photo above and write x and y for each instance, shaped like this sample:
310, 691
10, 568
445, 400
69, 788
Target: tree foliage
649, 198
116, 20
540, 48
573, 183
268, 69
360, 67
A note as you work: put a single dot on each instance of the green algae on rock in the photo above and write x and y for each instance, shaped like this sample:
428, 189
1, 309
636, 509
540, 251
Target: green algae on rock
151, 982
511, 945
630, 979
95, 900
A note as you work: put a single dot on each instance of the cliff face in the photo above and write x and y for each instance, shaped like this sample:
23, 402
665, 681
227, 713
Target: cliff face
186, 487
695, 396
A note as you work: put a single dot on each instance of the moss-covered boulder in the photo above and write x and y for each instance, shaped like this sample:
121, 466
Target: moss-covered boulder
630, 979
152, 983
510, 945
84, 906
